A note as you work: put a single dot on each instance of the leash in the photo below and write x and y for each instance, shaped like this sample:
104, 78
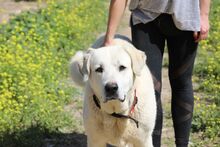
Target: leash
118, 115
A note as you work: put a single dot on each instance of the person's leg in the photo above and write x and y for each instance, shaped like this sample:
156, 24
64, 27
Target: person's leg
182, 53
147, 37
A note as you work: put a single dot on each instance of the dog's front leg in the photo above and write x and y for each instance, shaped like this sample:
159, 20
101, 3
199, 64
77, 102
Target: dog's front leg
143, 143
149, 142
95, 142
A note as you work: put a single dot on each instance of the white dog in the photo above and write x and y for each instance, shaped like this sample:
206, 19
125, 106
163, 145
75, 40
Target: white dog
119, 100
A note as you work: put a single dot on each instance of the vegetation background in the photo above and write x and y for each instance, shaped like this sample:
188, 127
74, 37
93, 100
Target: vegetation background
38, 104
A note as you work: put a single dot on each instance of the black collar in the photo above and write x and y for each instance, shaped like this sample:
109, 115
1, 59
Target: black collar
97, 102
118, 115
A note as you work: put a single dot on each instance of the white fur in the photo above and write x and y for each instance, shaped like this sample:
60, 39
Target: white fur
100, 126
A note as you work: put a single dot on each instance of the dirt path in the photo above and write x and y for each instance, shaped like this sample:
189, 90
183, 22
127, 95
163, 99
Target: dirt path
8, 8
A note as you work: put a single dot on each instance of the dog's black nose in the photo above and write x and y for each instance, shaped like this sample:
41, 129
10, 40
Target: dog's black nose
111, 89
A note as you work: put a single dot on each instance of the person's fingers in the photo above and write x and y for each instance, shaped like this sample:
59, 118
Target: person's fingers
202, 36
195, 35
108, 41
204, 33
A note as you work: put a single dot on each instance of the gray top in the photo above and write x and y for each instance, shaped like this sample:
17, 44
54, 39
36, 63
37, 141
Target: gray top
185, 13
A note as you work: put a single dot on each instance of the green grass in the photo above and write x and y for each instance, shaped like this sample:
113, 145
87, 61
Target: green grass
206, 120
35, 50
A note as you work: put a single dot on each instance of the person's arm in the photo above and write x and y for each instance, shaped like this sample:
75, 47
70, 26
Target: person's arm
116, 10
204, 20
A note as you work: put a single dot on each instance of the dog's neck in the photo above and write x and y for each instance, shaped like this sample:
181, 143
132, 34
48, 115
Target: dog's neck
118, 115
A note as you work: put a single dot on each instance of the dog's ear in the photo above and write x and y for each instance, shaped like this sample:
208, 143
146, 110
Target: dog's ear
86, 64
138, 59
79, 67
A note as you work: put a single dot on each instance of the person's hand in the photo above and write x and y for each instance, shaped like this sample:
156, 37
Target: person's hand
204, 29
108, 41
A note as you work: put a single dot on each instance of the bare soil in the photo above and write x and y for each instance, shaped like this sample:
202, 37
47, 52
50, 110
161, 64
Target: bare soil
9, 8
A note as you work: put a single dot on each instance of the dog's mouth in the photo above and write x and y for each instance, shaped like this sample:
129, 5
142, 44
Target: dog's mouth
114, 98
112, 105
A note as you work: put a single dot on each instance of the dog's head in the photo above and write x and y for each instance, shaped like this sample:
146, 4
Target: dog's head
110, 72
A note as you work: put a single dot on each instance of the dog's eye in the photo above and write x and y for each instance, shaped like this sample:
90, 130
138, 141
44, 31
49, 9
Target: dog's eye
121, 68
99, 69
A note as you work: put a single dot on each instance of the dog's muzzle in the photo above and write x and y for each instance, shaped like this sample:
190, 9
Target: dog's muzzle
111, 91
118, 115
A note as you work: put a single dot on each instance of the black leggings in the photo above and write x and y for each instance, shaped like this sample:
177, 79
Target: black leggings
150, 38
